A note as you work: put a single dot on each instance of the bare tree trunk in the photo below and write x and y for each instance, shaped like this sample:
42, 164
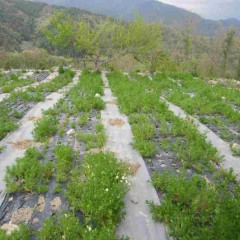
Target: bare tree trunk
97, 63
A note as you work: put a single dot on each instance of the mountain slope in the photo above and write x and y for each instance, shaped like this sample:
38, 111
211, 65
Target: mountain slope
20, 22
151, 10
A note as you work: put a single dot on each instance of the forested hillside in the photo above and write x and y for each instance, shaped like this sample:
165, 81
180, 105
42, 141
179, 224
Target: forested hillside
152, 11
21, 21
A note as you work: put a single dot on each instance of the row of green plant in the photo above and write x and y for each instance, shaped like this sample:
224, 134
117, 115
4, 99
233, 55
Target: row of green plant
4, 80
14, 82
150, 118
210, 104
37, 93
30, 173
84, 97
196, 209
7, 124
97, 189
9, 116
193, 207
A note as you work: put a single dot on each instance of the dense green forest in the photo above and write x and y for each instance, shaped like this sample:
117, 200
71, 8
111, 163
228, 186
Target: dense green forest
23, 23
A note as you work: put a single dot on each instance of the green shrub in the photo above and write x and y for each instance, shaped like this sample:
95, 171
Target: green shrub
64, 155
29, 173
145, 147
68, 227
98, 189
45, 127
194, 209
95, 140
143, 131
23, 233
7, 126
59, 227
61, 70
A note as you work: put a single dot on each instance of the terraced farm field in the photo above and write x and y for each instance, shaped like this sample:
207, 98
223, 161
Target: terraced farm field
114, 156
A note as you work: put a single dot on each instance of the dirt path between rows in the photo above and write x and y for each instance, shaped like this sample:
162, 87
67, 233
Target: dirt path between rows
138, 223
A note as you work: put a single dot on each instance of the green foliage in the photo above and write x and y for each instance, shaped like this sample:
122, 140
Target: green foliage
98, 190
2, 148
89, 86
67, 226
64, 27
95, 140
64, 226
145, 147
23, 233
143, 130
45, 127
7, 126
29, 174
16, 82
61, 69
194, 209
228, 42
238, 70
139, 98
64, 155
105, 40
207, 104
83, 119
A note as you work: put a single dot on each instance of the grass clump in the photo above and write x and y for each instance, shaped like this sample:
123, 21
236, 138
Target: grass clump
29, 174
64, 155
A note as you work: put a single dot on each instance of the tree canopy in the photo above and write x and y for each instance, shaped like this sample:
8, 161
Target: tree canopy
102, 41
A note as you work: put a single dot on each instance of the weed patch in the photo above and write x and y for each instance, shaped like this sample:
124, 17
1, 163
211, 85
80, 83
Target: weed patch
29, 174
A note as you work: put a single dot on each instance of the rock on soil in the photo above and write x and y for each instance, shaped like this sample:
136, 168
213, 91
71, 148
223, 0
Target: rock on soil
70, 132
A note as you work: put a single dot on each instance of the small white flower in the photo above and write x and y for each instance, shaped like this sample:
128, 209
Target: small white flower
89, 228
117, 177
106, 189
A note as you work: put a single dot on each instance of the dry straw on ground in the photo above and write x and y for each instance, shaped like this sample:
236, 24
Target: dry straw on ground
113, 102
133, 167
116, 122
34, 118
22, 144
